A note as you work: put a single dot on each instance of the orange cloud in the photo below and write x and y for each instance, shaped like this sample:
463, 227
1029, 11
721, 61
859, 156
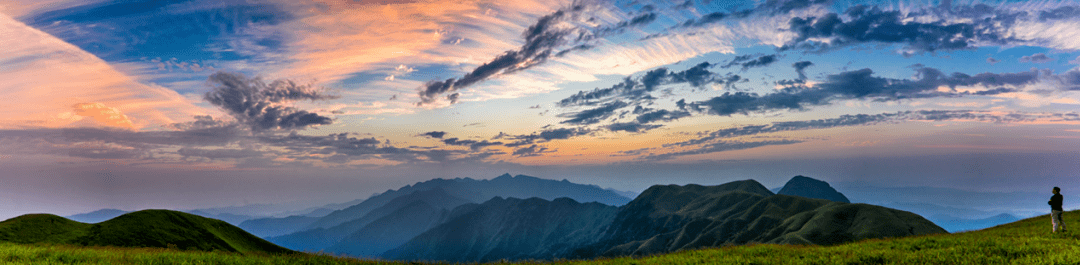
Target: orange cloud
44, 78
103, 115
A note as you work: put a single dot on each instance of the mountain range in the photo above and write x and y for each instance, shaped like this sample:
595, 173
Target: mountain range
391, 218
522, 217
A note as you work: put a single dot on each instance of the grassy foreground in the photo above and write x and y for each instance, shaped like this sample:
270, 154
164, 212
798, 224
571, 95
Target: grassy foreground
1027, 241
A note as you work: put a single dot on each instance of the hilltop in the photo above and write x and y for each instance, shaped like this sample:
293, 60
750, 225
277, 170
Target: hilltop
146, 228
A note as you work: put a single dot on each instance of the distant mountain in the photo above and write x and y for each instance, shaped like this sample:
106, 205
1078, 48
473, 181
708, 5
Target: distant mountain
146, 228
477, 191
328, 230
96, 216
671, 218
390, 231
811, 188
273, 226
511, 228
319, 239
954, 224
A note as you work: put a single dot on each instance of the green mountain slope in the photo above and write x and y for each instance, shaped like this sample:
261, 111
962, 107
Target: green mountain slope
147, 228
672, 218
510, 228
41, 228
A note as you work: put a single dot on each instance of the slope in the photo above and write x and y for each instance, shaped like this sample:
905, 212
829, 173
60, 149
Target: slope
672, 218
512, 229
146, 228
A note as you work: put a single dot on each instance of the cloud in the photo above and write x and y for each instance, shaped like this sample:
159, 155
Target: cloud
661, 115
991, 60
719, 147
1075, 61
434, 134
472, 144
542, 136
750, 61
533, 150
858, 84
800, 68
638, 90
631, 127
872, 24
259, 105
46, 96
594, 115
104, 115
1036, 58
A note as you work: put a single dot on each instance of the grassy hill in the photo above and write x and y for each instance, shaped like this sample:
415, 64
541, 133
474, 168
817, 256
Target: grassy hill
1023, 242
147, 228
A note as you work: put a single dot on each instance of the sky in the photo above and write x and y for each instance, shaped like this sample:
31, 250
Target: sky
199, 103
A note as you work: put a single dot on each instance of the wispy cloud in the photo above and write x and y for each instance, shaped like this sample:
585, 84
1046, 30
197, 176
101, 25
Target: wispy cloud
50, 97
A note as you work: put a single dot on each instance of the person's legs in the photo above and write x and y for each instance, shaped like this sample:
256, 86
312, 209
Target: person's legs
1055, 221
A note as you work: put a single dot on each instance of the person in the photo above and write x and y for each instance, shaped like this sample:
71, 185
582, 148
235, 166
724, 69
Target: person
1055, 210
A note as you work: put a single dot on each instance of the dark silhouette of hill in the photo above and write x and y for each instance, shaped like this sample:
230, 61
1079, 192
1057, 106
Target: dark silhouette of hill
96, 216
511, 229
811, 188
319, 239
671, 218
146, 228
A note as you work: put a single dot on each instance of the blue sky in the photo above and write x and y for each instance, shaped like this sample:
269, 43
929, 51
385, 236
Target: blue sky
182, 104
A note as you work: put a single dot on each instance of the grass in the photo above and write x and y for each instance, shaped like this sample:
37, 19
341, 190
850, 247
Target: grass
1027, 241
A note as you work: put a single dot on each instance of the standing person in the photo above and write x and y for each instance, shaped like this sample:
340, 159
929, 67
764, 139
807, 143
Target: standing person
1055, 210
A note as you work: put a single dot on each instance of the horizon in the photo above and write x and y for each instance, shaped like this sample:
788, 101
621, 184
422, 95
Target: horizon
195, 104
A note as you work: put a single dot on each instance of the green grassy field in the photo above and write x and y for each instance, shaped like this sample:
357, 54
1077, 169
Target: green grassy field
1027, 241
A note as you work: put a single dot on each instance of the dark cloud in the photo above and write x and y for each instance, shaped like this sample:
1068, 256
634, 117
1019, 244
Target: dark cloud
991, 60
1059, 13
871, 24
1036, 58
870, 119
638, 90
768, 7
800, 68
472, 144
750, 61
259, 105
533, 150
542, 39
542, 136
218, 153
594, 115
434, 134
631, 127
719, 147
858, 84
661, 115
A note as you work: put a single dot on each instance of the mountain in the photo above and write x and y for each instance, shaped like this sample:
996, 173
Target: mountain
954, 224
96, 216
272, 226
146, 228
811, 188
41, 228
671, 218
319, 239
510, 228
328, 230
477, 191
390, 231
